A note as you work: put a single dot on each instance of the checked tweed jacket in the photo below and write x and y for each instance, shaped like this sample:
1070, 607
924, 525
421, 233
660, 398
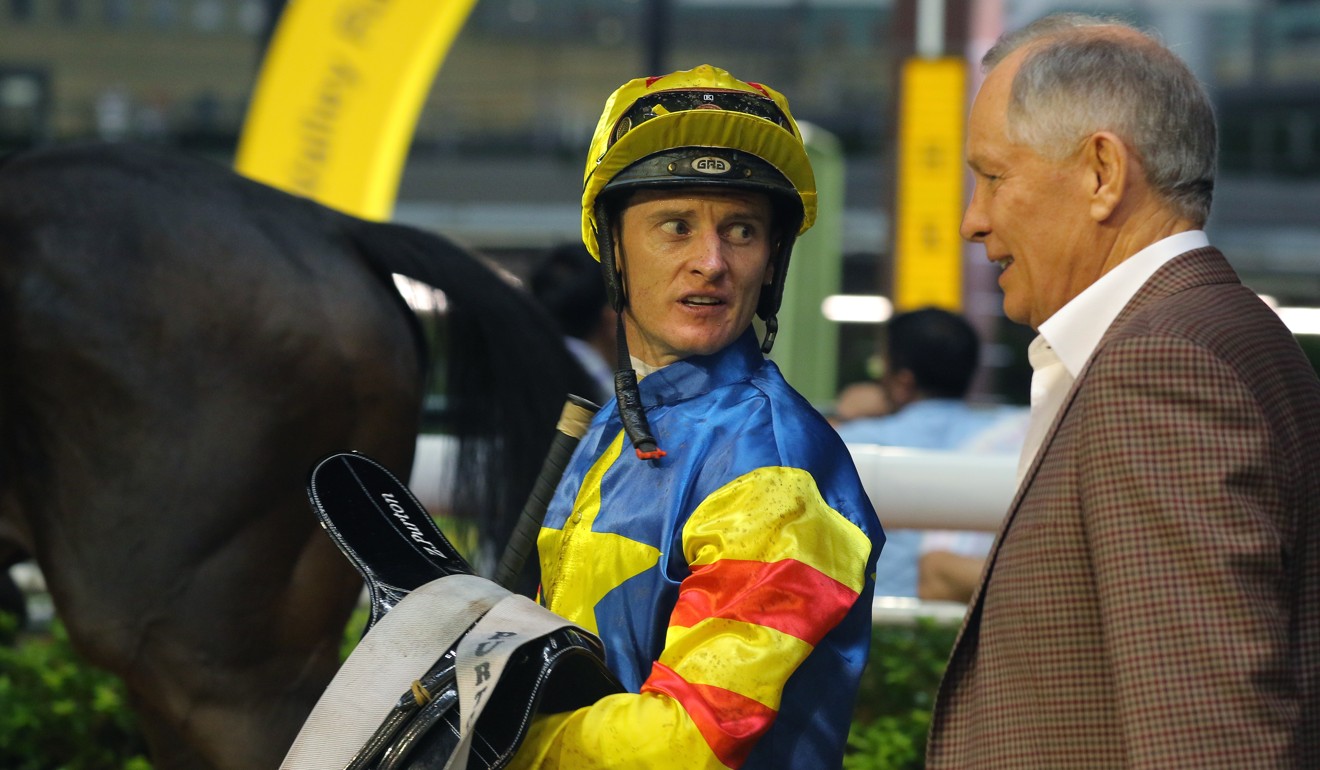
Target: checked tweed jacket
1153, 597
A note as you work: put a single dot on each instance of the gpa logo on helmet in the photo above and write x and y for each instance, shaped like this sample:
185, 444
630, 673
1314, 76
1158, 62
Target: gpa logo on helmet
709, 164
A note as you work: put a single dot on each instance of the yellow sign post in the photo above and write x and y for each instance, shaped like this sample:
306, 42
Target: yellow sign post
928, 210
338, 96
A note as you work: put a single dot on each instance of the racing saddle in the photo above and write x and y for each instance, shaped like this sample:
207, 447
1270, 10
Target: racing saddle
452, 667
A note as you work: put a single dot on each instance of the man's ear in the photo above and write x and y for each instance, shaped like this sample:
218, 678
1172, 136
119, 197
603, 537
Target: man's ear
901, 387
1108, 164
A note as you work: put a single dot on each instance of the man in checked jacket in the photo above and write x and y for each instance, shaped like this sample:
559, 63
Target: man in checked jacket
1153, 597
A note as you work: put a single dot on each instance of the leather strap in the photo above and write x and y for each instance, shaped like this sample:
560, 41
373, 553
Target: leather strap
399, 649
483, 654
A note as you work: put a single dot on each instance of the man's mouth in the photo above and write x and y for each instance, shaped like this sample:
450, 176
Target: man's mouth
702, 301
1003, 263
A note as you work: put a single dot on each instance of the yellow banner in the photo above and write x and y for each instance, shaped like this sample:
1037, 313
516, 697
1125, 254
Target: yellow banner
928, 210
338, 96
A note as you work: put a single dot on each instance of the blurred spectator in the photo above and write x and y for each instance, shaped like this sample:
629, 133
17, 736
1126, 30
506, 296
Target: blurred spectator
567, 282
857, 400
950, 563
930, 360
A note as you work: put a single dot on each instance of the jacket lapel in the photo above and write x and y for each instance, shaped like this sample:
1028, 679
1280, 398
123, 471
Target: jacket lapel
1199, 267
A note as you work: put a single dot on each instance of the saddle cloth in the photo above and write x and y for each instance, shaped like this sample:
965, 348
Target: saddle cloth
451, 670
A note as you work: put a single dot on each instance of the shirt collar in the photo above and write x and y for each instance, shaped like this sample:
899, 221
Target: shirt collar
697, 375
642, 368
1075, 329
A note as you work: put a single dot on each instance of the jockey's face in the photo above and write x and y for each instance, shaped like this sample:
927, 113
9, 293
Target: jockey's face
693, 263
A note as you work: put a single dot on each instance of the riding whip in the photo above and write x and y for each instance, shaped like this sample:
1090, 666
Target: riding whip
572, 425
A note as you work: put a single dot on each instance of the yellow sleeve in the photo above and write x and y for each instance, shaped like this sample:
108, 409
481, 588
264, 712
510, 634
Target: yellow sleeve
774, 569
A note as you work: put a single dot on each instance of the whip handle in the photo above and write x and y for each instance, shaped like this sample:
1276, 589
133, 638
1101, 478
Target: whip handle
572, 425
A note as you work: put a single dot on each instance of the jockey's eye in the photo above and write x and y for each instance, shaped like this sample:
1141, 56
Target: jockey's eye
676, 227
741, 232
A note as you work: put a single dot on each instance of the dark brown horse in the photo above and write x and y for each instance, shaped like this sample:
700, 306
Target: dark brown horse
178, 346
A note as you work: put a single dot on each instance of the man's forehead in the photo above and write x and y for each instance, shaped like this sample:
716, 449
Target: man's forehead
998, 84
989, 114
686, 196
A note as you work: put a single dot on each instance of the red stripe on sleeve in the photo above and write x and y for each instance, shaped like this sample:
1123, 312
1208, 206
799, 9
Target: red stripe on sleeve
786, 595
729, 723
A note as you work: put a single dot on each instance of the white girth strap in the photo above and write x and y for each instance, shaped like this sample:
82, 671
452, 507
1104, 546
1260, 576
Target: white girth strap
402, 647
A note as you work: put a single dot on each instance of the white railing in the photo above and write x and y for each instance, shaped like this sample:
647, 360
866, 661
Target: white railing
922, 489
910, 489
906, 611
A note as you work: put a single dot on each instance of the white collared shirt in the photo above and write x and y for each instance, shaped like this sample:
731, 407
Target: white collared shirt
1067, 339
1076, 328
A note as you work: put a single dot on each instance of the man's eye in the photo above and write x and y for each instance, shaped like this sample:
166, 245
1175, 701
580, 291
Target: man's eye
741, 232
674, 227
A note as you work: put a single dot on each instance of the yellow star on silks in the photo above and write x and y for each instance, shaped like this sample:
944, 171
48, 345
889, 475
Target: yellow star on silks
580, 566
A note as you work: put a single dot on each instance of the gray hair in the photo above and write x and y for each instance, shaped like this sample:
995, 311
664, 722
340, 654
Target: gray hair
1081, 74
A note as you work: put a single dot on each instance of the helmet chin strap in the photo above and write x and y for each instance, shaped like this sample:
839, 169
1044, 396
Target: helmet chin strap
771, 329
626, 393
772, 295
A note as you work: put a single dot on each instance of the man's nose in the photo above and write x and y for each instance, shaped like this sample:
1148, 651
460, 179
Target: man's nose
710, 259
974, 226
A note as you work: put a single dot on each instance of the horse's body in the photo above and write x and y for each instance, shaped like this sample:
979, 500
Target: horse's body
178, 346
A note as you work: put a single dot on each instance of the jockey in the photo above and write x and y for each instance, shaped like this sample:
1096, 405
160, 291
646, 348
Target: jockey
710, 528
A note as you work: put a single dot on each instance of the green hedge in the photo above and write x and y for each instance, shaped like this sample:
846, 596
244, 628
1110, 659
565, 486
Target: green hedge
57, 713
896, 696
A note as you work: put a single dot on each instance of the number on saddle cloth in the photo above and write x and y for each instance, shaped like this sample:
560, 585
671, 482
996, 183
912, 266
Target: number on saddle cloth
452, 667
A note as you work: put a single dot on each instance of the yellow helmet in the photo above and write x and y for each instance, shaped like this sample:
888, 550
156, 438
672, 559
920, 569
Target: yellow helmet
699, 126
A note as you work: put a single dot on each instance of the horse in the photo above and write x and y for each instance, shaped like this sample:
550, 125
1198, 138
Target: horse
178, 346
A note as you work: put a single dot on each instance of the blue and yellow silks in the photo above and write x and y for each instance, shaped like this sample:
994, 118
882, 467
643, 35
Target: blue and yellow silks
730, 581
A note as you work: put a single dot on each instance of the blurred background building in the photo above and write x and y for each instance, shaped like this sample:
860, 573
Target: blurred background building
497, 156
